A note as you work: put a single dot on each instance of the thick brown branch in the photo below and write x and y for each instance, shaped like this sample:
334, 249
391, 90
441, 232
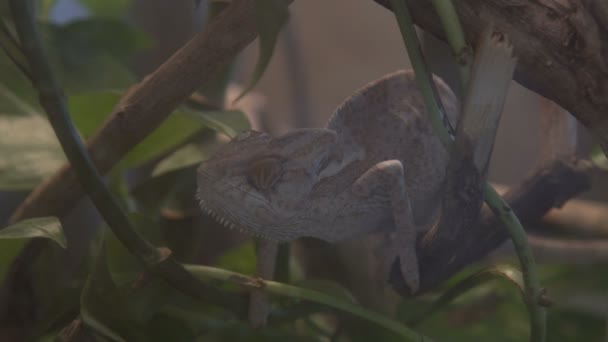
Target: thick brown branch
145, 106
562, 48
140, 111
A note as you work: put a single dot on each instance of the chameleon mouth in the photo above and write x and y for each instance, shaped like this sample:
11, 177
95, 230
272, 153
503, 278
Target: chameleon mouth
225, 221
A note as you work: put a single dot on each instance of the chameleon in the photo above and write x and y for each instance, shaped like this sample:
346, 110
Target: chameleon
376, 166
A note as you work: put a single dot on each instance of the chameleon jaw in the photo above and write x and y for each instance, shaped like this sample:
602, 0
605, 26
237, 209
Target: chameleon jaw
227, 222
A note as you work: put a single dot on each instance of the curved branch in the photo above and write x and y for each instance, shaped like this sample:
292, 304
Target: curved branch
53, 101
562, 48
146, 105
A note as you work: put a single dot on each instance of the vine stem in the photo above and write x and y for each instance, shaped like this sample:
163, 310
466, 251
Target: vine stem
52, 99
158, 261
12, 49
498, 205
455, 36
207, 272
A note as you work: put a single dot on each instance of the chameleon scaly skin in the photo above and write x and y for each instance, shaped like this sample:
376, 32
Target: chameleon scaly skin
376, 166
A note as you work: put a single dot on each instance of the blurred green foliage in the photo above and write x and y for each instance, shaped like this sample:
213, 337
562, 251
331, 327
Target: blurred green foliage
113, 296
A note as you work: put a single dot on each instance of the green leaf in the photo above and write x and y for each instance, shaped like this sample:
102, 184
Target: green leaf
186, 156
92, 54
89, 111
239, 259
46, 227
271, 16
14, 237
107, 8
30, 152
229, 122
175, 131
104, 309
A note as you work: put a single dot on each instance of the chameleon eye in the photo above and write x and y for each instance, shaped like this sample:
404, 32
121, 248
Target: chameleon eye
264, 172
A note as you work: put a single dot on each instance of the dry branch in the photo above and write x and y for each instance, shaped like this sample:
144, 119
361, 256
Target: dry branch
146, 105
562, 48
143, 108
547, 188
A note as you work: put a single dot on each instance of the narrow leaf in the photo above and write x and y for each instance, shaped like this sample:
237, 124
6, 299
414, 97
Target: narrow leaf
271, 16
103, 308
229, 122
46, 227
30, 152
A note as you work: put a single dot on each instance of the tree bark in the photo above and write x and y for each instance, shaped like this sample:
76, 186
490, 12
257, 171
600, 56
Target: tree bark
561, 46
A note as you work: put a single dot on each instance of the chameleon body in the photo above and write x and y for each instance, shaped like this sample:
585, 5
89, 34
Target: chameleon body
376, 166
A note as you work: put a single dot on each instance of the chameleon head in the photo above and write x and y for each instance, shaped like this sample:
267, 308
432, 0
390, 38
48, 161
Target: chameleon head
259, 184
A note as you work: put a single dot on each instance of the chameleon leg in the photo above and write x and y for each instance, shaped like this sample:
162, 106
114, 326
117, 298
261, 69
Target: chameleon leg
385, 180
259, 305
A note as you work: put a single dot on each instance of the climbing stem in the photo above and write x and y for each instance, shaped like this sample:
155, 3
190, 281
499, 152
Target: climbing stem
423, 75
12, 49
534, 292
493, 200
455, 36
53, 101
276, 288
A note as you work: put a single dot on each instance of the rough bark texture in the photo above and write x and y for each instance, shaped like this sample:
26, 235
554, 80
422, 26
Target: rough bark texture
561, 45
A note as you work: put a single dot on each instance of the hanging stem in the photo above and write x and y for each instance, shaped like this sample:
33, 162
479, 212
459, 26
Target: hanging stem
501, 209
53, 101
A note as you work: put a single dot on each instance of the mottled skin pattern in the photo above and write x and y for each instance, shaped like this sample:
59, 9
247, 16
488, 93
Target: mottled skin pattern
377, 166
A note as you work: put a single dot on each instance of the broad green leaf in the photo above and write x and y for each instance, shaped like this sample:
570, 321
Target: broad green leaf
107, 8
14, 237
30, 151
184, 157
104, 309
271, 16
120, 261
92, 54
173, 132
86, 37
46, 227
90, 110
229, 122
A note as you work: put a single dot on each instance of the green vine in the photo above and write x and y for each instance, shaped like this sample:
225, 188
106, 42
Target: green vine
498, 205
